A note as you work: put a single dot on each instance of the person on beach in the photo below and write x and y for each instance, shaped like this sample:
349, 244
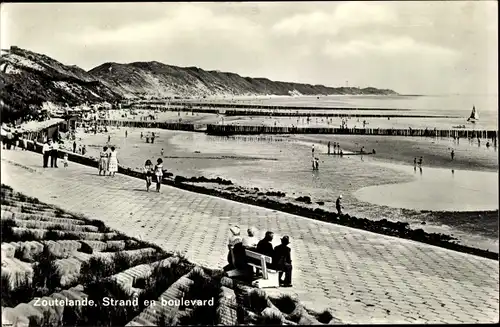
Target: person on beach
282, 261
84, 150
112, 162
312, 150
415, 162
25, 143
316, 163
334, 147
46, 153
452, 154
141, 135
338, 204
103, 160
420, 160
109, 138
65, 160
148, 170
54, 152
153, 138
328, 147
74, 146
162, 152
126, 134
313, 164
159, 173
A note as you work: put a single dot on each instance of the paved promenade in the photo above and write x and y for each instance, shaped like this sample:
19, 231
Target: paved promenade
362, 277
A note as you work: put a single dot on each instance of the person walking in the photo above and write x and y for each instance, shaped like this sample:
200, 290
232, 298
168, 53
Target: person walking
316, 163
420, 160
452, 154
54, 153
312, 150
46, 153
65, 160
328, 147
159, 173
141, 135
109, 138
338, 204
282, 261
25, 143
334, 147
103, 161
162, 152
126, 134
148, 171
112, 162
84, 150
415, 162
74, 146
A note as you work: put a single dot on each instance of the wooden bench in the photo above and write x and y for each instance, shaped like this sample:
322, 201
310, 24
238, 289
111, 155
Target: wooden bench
270, 277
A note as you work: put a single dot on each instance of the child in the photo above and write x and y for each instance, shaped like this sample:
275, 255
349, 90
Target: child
65, 160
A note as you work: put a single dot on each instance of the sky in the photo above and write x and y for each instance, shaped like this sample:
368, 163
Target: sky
423, 47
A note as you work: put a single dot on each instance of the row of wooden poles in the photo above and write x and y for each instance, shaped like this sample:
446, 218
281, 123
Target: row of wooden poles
296, 113
143, 124
254, 106
233, 129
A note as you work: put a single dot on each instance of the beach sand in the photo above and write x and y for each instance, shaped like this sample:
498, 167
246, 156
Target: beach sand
274, 163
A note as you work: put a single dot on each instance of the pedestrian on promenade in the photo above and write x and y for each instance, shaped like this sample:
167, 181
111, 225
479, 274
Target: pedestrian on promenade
74, 146
159, 173
112, 162
46, 152
65, 160
103, 160
84, 150
338, 205
148, 171
250, 241
25, 143
54, 153
282, 261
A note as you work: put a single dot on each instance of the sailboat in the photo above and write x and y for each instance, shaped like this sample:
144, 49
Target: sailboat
474, 115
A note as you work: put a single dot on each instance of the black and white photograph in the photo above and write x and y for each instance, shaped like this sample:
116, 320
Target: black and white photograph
249, 163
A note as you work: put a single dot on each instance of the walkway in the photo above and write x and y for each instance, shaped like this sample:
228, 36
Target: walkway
361, 276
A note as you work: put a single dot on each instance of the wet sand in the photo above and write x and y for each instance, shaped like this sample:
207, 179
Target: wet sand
282, 164
400, 149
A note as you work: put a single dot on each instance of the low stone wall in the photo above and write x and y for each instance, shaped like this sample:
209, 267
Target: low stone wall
385, 227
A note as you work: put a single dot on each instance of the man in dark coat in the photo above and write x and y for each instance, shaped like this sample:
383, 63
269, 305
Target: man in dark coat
282, 261
265, 246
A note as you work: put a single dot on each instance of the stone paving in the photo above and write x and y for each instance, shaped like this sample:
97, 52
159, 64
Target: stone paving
360, 276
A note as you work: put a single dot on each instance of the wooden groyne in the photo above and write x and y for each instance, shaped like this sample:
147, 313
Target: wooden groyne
255, 106
235, 130
144, 124
324, 114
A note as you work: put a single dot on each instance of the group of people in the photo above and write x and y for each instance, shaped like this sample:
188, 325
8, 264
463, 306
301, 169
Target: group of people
82, 149
336, 148
281, 254
108, 161
150, 171
149, 136
50, 149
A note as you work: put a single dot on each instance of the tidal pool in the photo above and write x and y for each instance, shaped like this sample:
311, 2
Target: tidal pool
435, 189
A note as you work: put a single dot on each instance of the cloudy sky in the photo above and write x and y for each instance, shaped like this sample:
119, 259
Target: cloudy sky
412, 47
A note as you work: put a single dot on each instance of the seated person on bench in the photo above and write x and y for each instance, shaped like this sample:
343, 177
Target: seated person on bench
282, 261
235, 243
265, 247
250, 241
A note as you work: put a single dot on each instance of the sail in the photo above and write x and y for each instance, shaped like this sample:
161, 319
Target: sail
474, 115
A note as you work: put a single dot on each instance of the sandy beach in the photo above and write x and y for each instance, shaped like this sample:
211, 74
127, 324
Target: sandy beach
282, 163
